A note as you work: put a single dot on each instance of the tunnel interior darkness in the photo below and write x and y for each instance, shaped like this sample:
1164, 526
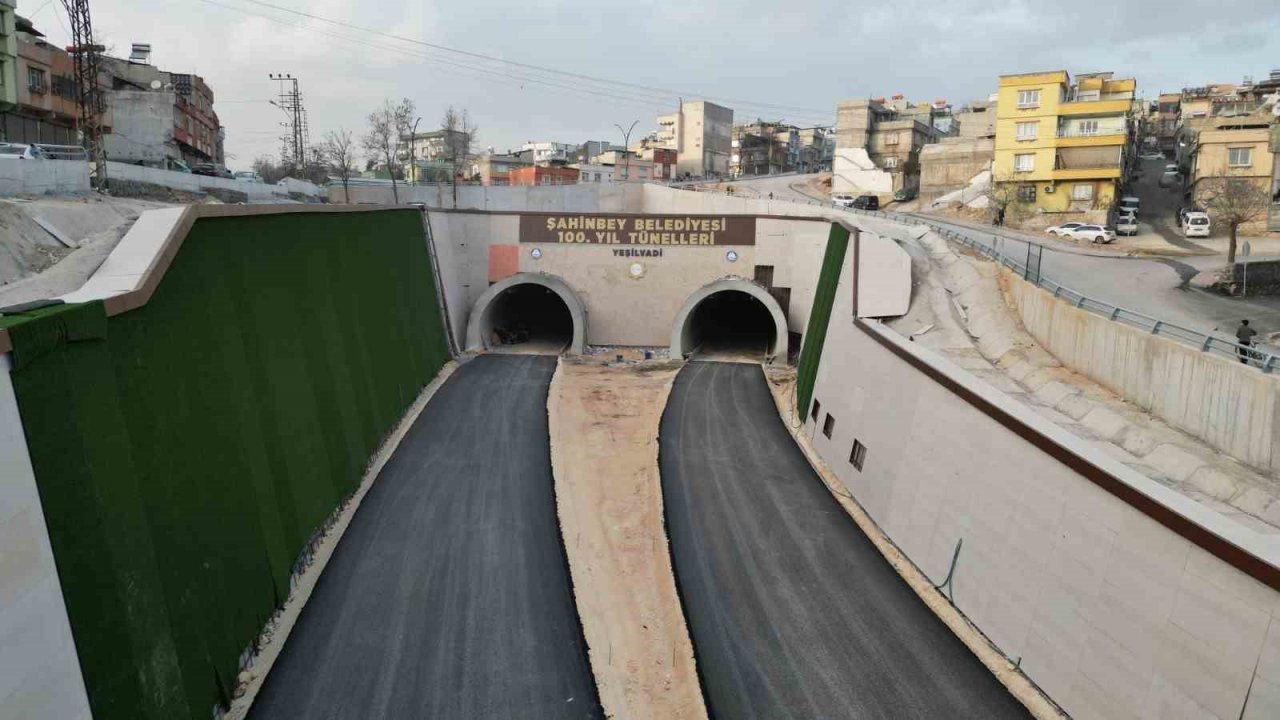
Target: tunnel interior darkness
528, 314
730, 321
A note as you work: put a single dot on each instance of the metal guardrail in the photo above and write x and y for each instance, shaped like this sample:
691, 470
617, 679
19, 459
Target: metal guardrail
1204, 342
62, 152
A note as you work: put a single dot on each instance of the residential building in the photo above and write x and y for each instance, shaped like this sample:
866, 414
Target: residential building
763, 148
8, 56
543, 175
1238, 147
592, 148
45, 106
977, 119
160, 118
495, 168
664, 162
701, 134
1168, 109
551, 153
878, 145
427, 154
593, 173
627, 166
1064, 145
817, 144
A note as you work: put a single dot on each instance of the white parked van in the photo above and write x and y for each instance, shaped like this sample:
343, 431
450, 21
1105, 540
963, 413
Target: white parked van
1195, 224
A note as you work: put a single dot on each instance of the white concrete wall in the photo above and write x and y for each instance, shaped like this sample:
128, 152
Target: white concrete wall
39, 671
1233, 407
1113, 614
20, 177
187, 182
853, 171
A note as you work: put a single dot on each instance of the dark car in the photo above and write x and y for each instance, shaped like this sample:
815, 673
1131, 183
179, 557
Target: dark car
904, 195
866, 202
211, 170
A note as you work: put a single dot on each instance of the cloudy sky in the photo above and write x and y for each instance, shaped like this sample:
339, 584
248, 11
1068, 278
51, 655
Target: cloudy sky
568, 70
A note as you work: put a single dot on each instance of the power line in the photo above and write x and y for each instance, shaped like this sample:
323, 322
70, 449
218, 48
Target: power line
616, 86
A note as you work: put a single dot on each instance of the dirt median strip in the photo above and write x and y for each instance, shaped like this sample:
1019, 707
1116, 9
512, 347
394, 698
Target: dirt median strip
604, 453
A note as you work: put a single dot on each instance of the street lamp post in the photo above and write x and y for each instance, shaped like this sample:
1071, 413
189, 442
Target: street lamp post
626, 149
413, 146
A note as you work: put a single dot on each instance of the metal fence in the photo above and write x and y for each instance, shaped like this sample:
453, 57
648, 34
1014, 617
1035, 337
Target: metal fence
62, 152
1029, 269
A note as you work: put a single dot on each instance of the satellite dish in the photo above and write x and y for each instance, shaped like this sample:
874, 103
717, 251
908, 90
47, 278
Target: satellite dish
156, 84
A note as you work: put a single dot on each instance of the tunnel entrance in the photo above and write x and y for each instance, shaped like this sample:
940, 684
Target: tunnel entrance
732, 323
528, 318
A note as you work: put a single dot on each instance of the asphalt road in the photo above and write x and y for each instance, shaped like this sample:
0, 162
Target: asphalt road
792, 610
449, 595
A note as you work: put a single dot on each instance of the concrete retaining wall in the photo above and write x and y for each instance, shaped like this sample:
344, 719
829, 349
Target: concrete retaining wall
186, 182
545, 198
42, 177
1230, 406
1113, 614
39, 671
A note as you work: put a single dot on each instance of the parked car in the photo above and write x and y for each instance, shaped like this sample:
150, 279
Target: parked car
1092, 233
866, 202
1184, 211
1152, 156
1195, 224
842, 200
904, 195
211, 170
1127, 224
1168, 179
248, 176
21, 151
1171, 168
1064, 228
1129, 203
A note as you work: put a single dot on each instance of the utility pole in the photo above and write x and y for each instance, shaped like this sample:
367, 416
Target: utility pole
626, 149
293, 146
84, 52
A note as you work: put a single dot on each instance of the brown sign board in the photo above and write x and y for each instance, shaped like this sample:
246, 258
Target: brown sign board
655, 230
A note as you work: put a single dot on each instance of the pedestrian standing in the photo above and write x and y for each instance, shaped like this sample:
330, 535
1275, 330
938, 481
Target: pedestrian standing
1244, 336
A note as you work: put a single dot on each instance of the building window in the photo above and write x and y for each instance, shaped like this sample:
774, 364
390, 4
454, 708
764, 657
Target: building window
858, 456
1024, 162
1028, 98
1239, 157
828, 426
1027, 193
35, 80
1, 73
597, 177
817, 406
544, 180
1027, 130
1088, 127
1082, 191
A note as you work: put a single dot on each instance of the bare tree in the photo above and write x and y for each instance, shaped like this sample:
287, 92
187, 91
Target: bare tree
388, 132
340, 152
1233, 201
1005, 201
459, 136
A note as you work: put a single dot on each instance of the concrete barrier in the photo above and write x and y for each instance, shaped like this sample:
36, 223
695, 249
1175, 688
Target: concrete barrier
19, 177
1118, 596
1233, 407
186, 182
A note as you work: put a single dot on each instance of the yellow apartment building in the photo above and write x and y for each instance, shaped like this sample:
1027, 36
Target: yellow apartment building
1064, 145
1242, 147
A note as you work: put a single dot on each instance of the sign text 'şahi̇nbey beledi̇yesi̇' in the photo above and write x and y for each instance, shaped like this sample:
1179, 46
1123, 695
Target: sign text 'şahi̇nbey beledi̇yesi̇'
690, 230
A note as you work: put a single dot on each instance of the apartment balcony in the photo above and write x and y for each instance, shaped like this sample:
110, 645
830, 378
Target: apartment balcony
1087, 163
1076, 137
1095, 107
